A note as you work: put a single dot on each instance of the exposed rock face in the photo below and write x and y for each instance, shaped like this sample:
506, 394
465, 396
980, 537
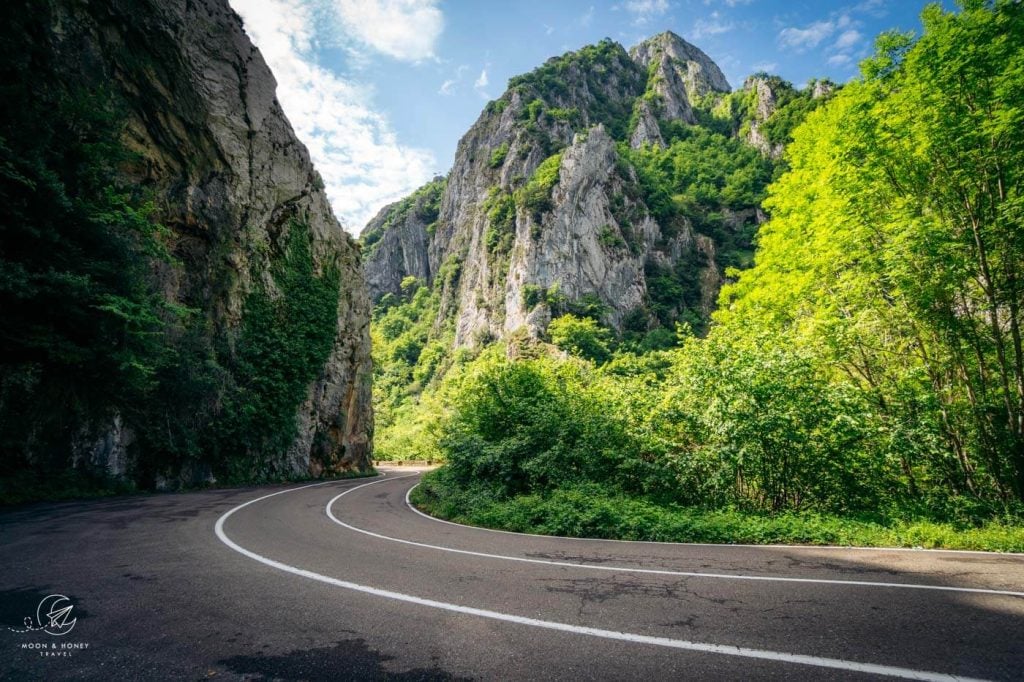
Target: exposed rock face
822, 88
581, 248
230, 180
673, 55
401, 250
679, 74
766, 103
667, 83
529, 138
647, 130
523, 247
710, 275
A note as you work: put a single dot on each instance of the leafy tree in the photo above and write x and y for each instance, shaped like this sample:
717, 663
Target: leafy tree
581, 336
895, 246
532, 425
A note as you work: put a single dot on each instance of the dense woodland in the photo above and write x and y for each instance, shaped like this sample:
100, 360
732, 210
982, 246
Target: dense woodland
863, 377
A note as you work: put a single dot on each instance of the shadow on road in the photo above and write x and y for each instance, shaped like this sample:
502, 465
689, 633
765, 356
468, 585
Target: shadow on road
350, 659
20, 603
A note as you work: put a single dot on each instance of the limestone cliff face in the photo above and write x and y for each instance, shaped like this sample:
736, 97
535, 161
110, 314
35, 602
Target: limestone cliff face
822, 88
766, 102
647, 130
680, 74
498, 155
397, 239
232, 182
580, 246
539, 207
770, 98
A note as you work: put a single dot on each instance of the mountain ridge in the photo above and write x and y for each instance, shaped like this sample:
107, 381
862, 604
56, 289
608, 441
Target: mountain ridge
505, 234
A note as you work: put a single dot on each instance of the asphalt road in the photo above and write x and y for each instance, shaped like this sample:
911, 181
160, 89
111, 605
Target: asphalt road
343, 580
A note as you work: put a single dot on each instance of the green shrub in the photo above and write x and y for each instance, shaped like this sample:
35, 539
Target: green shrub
500, 207
535, 196
282, 346
571, 116
610, 238
498, 156
597, 511
532, 295
533, 425
581, 336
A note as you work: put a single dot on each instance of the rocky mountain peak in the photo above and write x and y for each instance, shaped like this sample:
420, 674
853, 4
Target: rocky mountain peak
671, 53
822, 88
560, 201
767, 92
647, 130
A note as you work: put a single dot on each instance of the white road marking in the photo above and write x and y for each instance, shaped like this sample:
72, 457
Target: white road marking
656, 571
724, 649
915, 550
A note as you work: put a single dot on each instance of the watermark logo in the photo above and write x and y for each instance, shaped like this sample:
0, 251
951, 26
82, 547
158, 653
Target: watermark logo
53, 616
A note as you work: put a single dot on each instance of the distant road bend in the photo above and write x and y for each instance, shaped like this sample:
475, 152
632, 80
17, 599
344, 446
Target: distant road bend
344, 580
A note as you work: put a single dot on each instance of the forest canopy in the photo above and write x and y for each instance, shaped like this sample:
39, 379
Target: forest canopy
868, 365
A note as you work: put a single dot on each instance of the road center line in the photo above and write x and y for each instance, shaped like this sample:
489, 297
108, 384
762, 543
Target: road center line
723, 649
656, 571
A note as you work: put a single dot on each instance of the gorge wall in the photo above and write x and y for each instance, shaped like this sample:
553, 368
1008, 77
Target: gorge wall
563, 196
258, 364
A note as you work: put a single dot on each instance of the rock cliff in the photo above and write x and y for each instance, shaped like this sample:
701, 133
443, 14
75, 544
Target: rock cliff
777, 107
679, 73
559, 198
765, 95
253, 248
399, 237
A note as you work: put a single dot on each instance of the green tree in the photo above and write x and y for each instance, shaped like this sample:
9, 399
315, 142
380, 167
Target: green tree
581, 336
895, 248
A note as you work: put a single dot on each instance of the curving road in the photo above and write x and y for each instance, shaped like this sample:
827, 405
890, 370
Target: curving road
343, 580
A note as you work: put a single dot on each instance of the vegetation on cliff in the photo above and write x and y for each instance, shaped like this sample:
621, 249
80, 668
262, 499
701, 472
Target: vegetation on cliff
146, 343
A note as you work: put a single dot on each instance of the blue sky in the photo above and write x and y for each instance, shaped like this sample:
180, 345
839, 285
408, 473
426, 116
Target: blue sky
381, 90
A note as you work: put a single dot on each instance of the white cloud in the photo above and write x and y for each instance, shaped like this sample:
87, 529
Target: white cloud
644, 11
711, 26
875, 8
481, 83
767, 67
448, 87
845, 45
807, 37
361, 160
403, 29
847, 40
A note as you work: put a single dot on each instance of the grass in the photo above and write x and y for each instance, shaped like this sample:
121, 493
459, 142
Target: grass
76, 484
591, 511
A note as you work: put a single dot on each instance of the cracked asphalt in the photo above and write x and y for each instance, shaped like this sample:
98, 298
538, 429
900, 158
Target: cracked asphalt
158, 595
